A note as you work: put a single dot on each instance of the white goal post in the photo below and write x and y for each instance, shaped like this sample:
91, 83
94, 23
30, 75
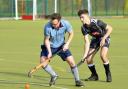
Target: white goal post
20, 8
89, 7
34, 10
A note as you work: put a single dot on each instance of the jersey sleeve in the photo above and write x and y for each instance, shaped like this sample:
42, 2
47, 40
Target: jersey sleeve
84, 30
101, 24
46, 31
68, 26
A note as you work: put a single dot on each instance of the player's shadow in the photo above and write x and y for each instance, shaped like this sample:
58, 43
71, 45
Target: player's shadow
41, 78
14, 74
24, 75
24, 82
94, 81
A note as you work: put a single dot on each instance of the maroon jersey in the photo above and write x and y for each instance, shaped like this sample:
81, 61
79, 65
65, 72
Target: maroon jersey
97, 28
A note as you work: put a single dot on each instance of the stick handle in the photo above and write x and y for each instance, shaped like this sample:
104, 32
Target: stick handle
41, 64
83, 60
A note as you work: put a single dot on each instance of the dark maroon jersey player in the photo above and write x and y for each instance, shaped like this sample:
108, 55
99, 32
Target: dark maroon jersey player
100, 33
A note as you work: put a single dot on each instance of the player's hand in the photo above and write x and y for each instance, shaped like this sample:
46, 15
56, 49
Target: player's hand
65, 47
102, 42
83, 59
84, 56
49, 55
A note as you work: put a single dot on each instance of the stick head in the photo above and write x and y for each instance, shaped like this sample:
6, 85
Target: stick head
31, 71
80, 63
30, 74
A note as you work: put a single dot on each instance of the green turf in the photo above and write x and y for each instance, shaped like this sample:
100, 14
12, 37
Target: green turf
20, 49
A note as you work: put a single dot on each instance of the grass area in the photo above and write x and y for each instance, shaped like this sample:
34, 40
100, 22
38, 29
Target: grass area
20, 49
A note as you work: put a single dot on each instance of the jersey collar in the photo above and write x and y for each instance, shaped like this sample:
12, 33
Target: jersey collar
61, 25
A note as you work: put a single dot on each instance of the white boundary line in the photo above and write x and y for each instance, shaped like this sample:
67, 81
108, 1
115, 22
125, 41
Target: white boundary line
59, 87
31, 83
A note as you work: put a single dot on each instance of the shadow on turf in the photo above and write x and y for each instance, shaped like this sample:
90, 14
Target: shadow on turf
46, 77
14, 74
95, 81
23, 82
35, 76
42, 78
24, 75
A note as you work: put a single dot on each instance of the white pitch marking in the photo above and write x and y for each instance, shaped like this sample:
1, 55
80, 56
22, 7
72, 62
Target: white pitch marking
32, 83
51, 86
59, 87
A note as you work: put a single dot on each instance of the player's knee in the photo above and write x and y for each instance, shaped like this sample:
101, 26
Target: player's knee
89, 61
42, 59
103, 57
71, 62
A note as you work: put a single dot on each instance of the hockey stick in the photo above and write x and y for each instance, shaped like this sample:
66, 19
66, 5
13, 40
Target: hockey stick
41, 64
83, 60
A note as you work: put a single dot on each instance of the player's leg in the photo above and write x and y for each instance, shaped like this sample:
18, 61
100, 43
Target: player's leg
49, 70
46, 66
74, 69
67, 56
91, 66
103, 54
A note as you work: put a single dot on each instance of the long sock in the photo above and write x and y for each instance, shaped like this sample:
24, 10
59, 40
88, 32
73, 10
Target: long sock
92, 69
49, 70
107, 68
107, 71
75, 73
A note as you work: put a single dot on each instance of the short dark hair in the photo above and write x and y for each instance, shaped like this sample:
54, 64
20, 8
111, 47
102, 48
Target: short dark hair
83, 11
55, 16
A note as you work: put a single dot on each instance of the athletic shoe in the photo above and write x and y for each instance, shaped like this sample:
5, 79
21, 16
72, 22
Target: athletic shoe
108, 77
93, 78
79, 84
53, 79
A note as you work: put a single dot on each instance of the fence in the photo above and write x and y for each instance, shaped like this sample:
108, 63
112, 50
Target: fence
65, 7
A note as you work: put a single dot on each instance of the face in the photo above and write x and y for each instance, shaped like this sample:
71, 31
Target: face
55, 23
84, 18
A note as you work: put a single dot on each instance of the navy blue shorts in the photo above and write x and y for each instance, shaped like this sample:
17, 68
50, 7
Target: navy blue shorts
62, 54
95, 43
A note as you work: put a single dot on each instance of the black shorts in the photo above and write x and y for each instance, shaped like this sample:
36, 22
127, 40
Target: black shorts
95, 42
62, 54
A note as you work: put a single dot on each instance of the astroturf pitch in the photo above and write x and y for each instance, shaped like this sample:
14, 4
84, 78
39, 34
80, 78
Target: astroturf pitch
20, 49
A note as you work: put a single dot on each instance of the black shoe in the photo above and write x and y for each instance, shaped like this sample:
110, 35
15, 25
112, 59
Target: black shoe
108, 77
93, 78
53, 79
79, 84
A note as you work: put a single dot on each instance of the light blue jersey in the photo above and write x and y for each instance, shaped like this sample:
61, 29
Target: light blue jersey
57, 36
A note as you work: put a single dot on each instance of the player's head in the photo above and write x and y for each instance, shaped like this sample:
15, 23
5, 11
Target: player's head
83, 11
55, 20
84, 16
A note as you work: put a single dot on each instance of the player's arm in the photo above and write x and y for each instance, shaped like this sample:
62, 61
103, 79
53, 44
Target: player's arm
70, 36
86, 41
86, 45
47, 44
109, 30
47, 40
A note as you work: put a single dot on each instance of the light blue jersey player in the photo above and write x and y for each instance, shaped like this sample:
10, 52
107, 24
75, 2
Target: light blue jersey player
54, 41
